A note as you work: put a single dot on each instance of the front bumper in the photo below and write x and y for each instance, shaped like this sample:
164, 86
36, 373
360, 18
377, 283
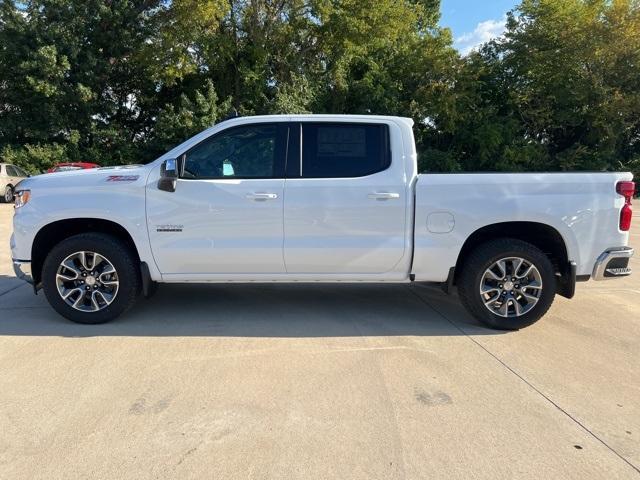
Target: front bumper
613, 263
23, 270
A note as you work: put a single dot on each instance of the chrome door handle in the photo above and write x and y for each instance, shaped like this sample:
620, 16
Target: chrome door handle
260, 197
383, 195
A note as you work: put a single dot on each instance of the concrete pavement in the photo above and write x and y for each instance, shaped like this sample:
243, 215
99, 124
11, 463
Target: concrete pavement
319, 381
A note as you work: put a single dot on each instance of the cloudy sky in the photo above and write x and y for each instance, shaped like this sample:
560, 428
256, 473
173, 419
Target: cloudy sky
474, 22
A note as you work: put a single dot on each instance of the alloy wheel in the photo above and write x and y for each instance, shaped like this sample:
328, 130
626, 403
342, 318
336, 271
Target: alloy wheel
511, 287
87, 281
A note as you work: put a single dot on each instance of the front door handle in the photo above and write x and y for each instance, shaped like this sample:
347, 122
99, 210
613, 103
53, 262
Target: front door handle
261, 197
383, 195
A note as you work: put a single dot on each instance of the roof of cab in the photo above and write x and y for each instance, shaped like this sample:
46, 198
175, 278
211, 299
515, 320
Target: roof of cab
317, 117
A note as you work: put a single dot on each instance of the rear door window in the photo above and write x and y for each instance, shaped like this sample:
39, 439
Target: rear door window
334, 150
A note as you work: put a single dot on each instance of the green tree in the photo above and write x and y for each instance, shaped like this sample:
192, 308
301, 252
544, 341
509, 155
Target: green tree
120, 81
174, 125
576, 73
74, 71
558, 92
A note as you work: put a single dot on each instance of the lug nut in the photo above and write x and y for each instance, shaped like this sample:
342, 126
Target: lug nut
500, 285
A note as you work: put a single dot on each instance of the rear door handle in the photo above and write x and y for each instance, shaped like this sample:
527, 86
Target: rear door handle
383, 195
261, 197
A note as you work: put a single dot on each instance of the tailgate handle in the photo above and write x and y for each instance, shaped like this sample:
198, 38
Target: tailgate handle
384, 195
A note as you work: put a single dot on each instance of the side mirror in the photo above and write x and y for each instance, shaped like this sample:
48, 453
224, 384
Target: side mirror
168, 175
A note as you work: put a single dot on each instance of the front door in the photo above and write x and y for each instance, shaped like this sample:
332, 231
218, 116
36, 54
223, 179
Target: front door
225, 216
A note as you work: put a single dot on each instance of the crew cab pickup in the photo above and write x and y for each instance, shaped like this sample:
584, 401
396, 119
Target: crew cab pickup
317, 198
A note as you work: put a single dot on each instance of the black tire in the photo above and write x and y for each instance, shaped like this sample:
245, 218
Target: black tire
7, 195
481, 259
120, 255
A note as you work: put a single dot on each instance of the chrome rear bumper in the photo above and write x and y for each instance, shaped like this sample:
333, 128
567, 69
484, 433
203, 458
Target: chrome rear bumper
613, 263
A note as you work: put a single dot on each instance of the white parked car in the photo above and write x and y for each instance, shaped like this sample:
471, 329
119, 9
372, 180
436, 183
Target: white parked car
317, 198
10, 176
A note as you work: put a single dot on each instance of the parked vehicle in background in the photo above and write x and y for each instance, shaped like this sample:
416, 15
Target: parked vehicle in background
318, 198
66, 166
10, 176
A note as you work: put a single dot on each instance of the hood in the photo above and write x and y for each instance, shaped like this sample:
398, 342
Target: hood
102, 176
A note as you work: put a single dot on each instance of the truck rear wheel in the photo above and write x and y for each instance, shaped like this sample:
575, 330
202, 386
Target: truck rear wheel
91, 278
507, 284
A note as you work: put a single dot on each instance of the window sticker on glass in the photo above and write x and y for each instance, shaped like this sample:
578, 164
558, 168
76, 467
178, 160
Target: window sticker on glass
345, 142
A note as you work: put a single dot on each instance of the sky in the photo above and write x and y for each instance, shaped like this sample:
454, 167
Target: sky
474, 22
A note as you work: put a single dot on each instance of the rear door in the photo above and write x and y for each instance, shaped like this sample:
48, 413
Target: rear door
345, 199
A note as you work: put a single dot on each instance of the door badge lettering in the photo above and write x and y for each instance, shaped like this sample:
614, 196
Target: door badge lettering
169, 228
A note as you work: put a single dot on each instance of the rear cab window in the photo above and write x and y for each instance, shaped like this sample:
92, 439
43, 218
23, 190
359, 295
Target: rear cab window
338, 150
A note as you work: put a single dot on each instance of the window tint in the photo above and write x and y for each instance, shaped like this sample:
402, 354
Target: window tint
344, 150
242, 152
11, 171
20, 172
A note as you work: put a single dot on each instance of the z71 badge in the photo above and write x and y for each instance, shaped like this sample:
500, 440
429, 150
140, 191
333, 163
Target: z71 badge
122, 178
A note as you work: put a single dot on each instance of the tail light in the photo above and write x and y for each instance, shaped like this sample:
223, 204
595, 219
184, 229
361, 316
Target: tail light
627, 190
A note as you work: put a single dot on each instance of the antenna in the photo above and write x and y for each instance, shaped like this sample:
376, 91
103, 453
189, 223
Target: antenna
232, 114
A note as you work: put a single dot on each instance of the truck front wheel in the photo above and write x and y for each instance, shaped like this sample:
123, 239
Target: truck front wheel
91, 278
507, 284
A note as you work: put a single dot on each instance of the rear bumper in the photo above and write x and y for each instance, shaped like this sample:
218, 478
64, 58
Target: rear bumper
613, 263
23, 270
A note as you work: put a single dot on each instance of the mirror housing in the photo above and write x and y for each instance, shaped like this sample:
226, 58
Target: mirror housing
169, 173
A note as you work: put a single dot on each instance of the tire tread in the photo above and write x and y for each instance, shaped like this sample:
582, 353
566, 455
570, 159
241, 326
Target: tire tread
127, 269
475, 264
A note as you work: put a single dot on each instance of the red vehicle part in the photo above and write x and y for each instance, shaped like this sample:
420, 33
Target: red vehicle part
66, 166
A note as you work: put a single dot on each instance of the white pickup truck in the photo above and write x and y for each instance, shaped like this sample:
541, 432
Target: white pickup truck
317, 198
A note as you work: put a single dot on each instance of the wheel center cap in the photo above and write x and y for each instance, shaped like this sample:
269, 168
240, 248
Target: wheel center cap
507, 285
91, 280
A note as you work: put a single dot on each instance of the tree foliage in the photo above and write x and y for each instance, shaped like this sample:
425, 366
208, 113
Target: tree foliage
558, 92
121, 81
